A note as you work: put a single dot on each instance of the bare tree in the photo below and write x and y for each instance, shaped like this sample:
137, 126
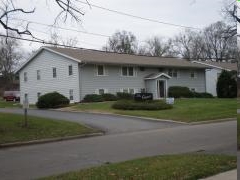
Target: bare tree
122, 42
9, 57
9, 9
190, 45
219, 41
56, 39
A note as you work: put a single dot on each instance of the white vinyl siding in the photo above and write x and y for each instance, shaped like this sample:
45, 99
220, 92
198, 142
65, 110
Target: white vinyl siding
45, 61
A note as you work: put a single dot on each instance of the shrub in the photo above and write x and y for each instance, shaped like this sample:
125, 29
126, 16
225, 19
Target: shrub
202, 95
93, 98
141, 105
122, 95
227, 85
109, 97
179, 91
52, 100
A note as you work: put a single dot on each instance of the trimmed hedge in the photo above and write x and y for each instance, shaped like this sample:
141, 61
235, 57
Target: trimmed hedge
140, 105
52, 100
184, 92
122, 95
109, 97
179, 91
202, 95
93, 98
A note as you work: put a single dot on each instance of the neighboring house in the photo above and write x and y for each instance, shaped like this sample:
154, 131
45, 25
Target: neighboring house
77, 72
213, 71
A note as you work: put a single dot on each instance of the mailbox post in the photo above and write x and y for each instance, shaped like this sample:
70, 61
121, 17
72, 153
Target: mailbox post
25, 107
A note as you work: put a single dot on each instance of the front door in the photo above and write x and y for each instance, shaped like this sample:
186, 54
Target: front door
161, 89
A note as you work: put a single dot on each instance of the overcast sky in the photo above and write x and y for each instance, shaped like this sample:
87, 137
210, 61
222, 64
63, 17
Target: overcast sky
194, 13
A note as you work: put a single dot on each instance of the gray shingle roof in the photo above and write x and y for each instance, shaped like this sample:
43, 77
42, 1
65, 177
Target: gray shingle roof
95, 56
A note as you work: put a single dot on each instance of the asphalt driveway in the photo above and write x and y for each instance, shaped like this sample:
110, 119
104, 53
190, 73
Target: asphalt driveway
111, 124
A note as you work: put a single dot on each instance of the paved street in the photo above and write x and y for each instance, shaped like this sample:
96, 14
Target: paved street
52, 158
109, 123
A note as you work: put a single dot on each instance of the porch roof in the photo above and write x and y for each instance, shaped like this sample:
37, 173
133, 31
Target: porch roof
157, 75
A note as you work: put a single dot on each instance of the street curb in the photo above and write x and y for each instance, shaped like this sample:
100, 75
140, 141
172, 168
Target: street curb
16, 144
152, 119
213, 121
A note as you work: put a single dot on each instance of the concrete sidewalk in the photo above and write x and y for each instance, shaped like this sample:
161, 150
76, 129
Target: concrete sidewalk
229, 175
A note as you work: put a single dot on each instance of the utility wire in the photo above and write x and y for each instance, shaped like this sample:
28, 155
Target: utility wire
40, 41
138, 17
58, 27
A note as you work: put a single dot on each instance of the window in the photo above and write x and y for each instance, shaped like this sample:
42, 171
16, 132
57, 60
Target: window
160, 69
25, 76
100, 70
128, 71
193, 74
70, 70
38, 75
71, 94
101, 91
128, 90
54, 72
131, 91
142, 68
173, 73
38, 94
25, 96
193, 89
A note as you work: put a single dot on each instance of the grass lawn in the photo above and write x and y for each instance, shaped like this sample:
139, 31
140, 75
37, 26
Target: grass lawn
238, 130
238, 103
186, 166
186, 110
8, 104
11, 129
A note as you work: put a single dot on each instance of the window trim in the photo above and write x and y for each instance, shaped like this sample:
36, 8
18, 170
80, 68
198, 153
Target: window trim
38, 75
134, 71
70, 70
173, 71
25, 78
104, 70
54, 73
194, 73
71, 97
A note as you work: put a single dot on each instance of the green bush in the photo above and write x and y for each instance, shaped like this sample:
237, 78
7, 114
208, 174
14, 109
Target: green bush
141, 105
227, 85
93, 98
52, 100
202, 95
179, 91
123, 95
109, 97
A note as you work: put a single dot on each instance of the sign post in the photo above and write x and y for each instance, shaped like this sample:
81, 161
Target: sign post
25, 107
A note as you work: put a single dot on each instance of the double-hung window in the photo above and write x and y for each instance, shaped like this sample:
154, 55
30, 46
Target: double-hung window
71, 94
100, 70
54, 72
25, 76
173, 72
38, 75
128, 71
193, 74
70, 70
